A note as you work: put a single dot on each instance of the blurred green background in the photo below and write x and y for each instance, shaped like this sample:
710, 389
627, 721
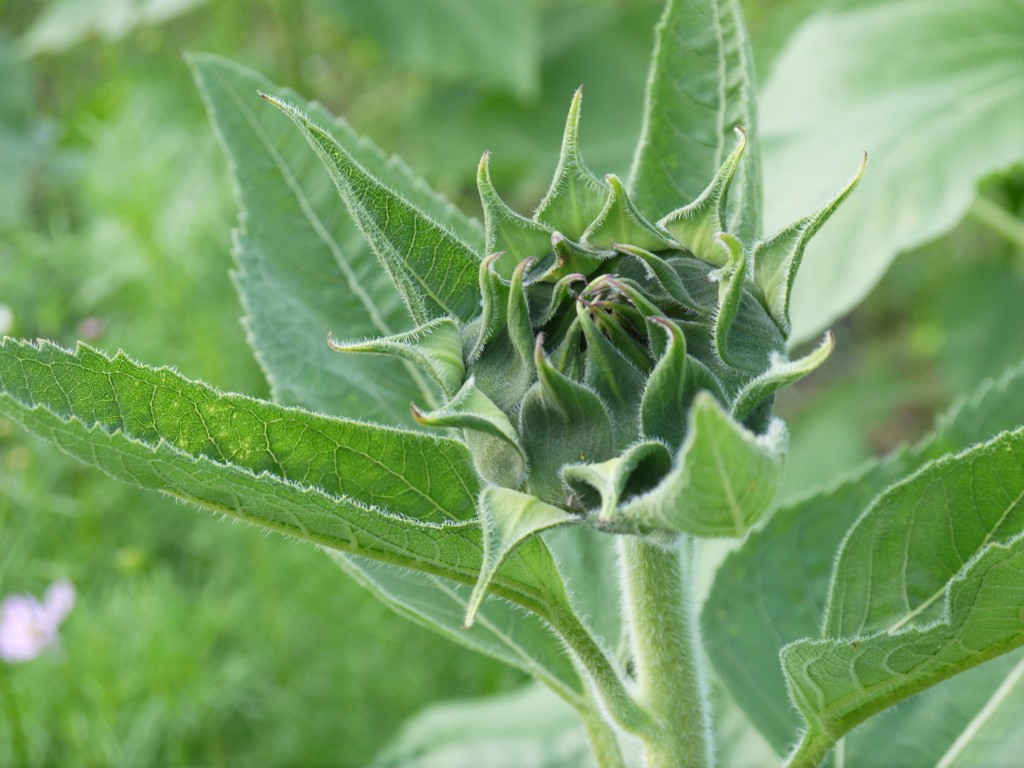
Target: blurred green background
195, 642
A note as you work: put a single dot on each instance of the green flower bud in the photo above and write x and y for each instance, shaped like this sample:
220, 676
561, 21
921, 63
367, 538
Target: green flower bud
620, 373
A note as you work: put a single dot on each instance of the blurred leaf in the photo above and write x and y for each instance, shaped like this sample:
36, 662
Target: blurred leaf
737, 742
983, 318
496, 42
530, 728
773, 590
457, 125
16, 135
932, 89
63, 24
701, 86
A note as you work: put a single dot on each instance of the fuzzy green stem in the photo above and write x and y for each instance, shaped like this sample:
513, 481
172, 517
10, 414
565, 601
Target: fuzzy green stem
602, 675
602, 737
666, 651
813, 748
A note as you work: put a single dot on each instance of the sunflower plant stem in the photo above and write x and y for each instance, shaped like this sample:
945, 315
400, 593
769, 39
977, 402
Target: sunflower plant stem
812, 749
605, 680
602, 737
667, 658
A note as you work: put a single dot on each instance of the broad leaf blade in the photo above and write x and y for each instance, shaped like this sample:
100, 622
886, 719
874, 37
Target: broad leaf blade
410, 473
700, 87
853, 78
303, 267
493, 41
838, 683
900, 556
971, 720
773, 590
434, 269
394, 496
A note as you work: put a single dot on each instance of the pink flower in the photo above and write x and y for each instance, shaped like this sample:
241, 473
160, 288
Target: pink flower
28, 626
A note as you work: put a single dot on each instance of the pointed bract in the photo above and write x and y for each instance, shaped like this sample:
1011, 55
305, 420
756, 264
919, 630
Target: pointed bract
621, 222
724, 479
666, 399
520, 327
507, 232
576, 196
542, 314
696, 224
781, 373
508, 518
658, 269
571, 258
491, 438
435, 348
777, 259
609, 373
494, 304
561, 422
636, 470
730, 292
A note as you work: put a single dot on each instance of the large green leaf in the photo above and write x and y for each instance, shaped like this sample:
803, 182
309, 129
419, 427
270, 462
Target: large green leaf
700, 87
774, 589
839, 682
303, 268
433, 268
63, 24
403, 499
927, 585
971, 720
899, 558
494, 41
400, 497
932, 89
